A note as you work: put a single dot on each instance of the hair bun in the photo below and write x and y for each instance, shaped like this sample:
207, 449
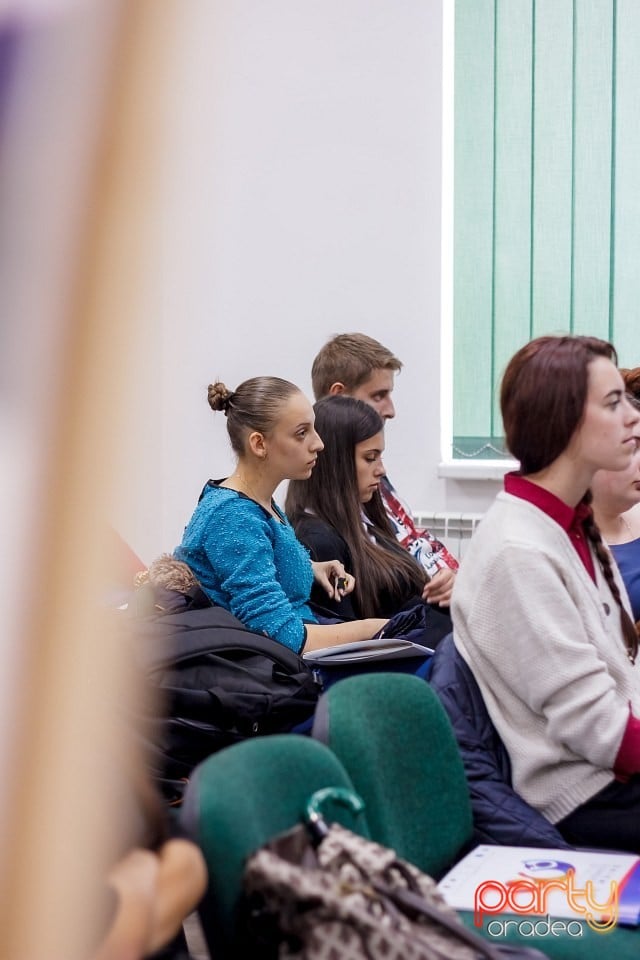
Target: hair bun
219, 397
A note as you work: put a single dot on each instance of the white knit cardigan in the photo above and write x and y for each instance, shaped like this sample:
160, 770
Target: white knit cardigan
545, 645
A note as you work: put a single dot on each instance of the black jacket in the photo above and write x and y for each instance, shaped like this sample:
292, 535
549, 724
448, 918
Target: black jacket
500, 815
325, 543
212, 683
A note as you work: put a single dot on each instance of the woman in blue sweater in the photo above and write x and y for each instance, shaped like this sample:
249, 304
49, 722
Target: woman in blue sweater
240, 545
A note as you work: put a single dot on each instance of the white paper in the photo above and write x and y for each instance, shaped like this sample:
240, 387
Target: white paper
479, 879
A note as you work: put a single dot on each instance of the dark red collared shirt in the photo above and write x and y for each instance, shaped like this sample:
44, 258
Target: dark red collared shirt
571, 521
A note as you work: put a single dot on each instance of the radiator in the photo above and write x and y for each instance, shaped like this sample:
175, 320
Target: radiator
454, 529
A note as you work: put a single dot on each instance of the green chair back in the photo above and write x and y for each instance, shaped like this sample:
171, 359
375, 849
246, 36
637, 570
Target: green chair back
395, 740
243, 796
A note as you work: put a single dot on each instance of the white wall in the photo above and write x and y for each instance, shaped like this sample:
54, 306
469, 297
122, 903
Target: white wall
302, 198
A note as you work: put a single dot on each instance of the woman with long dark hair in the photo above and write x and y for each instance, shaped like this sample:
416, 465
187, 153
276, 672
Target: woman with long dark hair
338, 512
540, 612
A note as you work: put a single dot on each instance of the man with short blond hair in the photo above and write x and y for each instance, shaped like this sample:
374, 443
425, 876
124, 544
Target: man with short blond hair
358, 366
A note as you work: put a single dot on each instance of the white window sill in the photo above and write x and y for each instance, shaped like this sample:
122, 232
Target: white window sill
476, 469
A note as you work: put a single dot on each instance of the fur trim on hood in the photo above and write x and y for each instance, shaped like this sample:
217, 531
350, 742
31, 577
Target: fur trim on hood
169, 573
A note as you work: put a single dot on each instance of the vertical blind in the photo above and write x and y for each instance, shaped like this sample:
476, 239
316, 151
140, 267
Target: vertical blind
546, 190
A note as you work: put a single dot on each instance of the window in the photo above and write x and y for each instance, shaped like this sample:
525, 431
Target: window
546, 190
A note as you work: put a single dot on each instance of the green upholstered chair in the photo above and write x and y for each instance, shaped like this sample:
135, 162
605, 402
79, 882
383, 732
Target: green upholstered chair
395, 740
241, 797
393, 736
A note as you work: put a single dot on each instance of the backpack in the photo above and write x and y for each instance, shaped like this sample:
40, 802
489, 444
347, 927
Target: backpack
212, 683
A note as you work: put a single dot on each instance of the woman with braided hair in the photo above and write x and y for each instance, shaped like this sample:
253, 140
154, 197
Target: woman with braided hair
540, 612
616, 506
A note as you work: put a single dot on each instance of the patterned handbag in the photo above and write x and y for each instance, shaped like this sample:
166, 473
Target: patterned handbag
330, 894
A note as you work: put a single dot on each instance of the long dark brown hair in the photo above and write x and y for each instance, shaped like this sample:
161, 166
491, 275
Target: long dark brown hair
542, 399
331, 493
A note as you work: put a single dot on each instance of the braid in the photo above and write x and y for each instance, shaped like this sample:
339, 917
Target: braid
629, 632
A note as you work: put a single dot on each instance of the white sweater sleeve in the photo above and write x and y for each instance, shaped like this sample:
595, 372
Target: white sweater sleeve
536, 635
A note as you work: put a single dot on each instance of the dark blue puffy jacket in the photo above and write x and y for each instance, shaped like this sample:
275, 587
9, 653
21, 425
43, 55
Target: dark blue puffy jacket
500, 815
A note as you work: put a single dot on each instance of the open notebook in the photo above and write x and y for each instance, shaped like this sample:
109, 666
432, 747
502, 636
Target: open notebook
380, 648
595, 886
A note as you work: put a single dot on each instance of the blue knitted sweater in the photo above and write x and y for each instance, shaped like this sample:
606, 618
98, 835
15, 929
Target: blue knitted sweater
251, 564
